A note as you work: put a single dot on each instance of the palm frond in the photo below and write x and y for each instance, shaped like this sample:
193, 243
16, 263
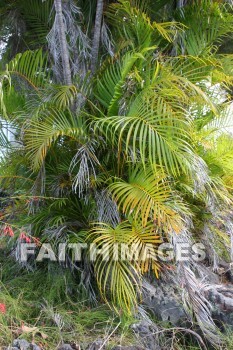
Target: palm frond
151, 131
62, 96
145, 241
127, 251
37, 16
136, 27
86, 161
147, 195
110, 86
52, 126
30, 67
206, 29
115, 276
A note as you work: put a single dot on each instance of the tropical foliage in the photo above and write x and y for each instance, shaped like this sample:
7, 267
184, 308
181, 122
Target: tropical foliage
136, 150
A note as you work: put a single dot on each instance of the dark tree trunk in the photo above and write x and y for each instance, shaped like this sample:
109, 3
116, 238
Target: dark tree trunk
63, 44
96, 37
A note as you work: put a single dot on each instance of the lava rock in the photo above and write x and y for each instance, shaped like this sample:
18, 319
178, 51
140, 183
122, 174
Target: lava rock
96, 345
221, 299
130, 347
65, 347
164, 302
35, 347
21, 344
148, 334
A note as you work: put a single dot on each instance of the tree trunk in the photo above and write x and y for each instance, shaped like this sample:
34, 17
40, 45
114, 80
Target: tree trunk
179, 4
96, 37
63, 43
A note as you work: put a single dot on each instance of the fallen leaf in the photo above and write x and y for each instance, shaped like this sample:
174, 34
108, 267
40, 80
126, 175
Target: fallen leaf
43, 335
26, 329
33, 330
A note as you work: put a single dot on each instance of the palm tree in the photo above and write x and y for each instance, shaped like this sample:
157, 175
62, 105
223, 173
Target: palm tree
97, 33
137, 163
63, 43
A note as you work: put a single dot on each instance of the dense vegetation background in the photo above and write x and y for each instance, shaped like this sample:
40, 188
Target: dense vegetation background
119, 131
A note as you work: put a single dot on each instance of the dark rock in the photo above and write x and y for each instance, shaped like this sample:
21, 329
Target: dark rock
164, 302
130, 347
96, 345
65, 347
221, 298
35, 347
21, 344
148, 335
75, 345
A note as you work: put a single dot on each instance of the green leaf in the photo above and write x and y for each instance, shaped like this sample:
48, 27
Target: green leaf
147, 195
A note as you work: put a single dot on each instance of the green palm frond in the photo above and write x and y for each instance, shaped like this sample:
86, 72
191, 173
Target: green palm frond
133, 25
62, 96
124, 257
30, 67
37, 15
52, 126
110, 86
147, 195
206, 29
116, 278
195, 69
145, 241
14, 171
222, 122
184, 87
227, 63
219, 154
136, 27
152, 132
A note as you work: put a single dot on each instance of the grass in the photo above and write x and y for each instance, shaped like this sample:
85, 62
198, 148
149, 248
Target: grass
58, 323
50, 301
46, 306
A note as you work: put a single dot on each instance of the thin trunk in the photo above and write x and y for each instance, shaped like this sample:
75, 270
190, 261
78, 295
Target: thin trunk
96, 37
180, 4
63, 43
